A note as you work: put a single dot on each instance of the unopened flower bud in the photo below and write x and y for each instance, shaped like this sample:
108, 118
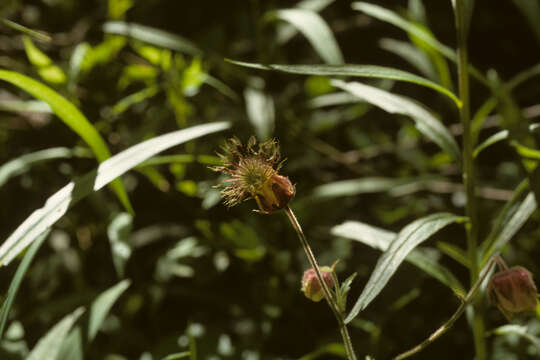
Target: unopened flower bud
513, 291
311, 287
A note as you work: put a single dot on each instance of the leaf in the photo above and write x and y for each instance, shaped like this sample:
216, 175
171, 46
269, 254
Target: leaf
362, 71
358, 186
413, 29
381, 239
407, 239
49, 346
73, 118
285, 32
39, 35
410, 54
58, 204
119, 231
89, 325
45, 67
335, 349
315, 29
511, 218
25, 106
181, 355
152, 36
21, 164
260, 111
531, 11
520, 331
426, 123
17, 279
454, 252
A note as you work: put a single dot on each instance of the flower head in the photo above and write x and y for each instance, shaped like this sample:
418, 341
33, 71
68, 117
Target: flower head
311, 286
253, 173
513, 290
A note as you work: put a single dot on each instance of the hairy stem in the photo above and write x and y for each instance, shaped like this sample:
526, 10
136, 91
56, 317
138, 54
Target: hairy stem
469, 171
447, 325
338, 313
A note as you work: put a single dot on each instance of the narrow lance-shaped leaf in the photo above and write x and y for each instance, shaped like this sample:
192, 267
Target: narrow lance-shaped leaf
58, 204
73, 118
426, 123
362, 71
381, 239
315, 29
17, 279
49, 346
411, 236
285, 32
511, 218
152, 36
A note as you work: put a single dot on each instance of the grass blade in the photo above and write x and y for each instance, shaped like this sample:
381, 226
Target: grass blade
362, 71
17, 279
286, 32
58, 204
152, 36
49, 346
72, 117
410, 237
315, 29
426, 123
381, 239
261, 112
412, 55
21, 164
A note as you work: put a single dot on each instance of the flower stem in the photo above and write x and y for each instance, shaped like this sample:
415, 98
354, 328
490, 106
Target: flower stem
469, 176
338, 312
448, 324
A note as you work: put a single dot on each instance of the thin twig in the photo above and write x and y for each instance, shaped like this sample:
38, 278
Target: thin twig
447, 325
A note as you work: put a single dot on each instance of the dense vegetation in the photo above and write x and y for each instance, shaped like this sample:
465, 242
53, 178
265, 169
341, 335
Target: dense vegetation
406, 149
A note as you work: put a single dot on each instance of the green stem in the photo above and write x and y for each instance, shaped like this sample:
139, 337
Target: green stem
338, 313
457, 314
469, 172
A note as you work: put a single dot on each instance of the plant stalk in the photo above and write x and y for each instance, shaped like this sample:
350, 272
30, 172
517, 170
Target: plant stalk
447, 325
338, 313
469, 177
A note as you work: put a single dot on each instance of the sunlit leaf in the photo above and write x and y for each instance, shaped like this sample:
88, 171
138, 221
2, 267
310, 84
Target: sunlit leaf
381, 239
39, 35
58, 204
49, 346
315, 29
260, 111
73, 118
152, 36
410, 237
426, 123
362, 71
285, 32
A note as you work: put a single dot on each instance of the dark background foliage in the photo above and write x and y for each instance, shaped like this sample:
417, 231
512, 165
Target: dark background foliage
239, 281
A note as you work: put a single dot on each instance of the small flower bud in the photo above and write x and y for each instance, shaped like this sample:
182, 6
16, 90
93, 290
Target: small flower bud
311, 287
512, 291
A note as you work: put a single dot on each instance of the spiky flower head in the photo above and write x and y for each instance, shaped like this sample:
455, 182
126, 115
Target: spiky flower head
252, 172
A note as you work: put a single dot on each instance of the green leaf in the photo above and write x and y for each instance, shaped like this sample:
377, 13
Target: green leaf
17, 279
426, 123
25, 106
380, 239
531, 11
119, 231
21, 164
49, 346
520, 331
45, 67
358, 186
181, 355
362, 71
315, 29
152, 36
411, 236
412, 55
454, 252
286, 32
25, 30
413, 29
58, 204
511, 218
73, 118
88, 326
335, 349
261, 112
